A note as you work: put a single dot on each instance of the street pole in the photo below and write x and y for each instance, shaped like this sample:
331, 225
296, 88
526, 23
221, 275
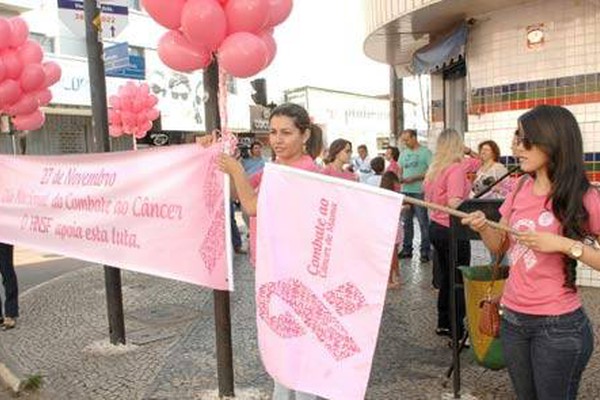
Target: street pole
100, 143
220, 297
396, 105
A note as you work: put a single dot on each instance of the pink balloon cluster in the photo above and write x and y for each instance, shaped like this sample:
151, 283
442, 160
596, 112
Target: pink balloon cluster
239, 31
132, 110
24, 78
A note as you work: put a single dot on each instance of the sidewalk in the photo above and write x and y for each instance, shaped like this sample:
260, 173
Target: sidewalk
170, 352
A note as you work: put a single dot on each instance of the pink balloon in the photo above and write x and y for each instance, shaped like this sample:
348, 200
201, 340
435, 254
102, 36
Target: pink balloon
32, 77
10, 92
27, 104
144, 90
115, 102
271, 47
2, 70
166, 13
204, 24
152, 114
141, 119
43, 96
114, 117
177, 53
115, 130
19, 31
151, 101
246, 15
223, 2
29, 122
126, 104
30, 53
144, 128
5, 33
243, 54
128, 118
13, 64
53, 73
279, 10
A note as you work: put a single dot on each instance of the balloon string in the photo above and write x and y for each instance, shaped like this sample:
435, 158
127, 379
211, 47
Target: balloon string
226, 135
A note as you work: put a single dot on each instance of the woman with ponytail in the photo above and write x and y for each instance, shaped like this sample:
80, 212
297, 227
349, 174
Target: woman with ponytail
546, 336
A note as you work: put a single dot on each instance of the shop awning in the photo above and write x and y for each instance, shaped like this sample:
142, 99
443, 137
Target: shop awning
443, 51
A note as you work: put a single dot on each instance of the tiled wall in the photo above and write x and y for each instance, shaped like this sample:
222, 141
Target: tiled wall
506, 77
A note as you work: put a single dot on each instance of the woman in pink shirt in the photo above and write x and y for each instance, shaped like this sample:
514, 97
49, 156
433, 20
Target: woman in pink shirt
446, 183
338, 156
546, 336
295, 142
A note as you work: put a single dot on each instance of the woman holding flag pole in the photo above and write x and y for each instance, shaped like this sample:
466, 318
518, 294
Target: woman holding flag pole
296, 142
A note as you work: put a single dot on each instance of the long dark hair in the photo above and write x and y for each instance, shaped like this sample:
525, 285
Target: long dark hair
555, 131
314, 145
337, 146
389, 180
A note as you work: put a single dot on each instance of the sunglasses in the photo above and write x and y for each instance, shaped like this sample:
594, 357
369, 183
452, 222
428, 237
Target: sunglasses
522, 140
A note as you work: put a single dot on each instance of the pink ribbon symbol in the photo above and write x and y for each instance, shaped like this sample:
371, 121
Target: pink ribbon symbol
345, 299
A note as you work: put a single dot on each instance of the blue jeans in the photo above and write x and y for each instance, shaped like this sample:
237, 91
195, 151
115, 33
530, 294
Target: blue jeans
9, 280
546, 355
409, 230
236, 239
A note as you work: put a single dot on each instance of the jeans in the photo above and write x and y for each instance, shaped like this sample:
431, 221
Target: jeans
440, 237
546, 355
9, 280
280, 392
236, 239
409, 230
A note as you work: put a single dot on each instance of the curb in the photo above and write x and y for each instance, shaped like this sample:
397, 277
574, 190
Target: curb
9, 379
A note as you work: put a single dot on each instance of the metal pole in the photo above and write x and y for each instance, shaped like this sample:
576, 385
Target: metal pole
220, 297
101, 143
396, 105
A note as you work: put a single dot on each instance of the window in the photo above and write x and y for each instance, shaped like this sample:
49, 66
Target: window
46, 42
136, 51
135, 4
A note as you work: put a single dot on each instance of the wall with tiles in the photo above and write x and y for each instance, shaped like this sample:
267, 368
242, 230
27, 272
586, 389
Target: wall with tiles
506, 77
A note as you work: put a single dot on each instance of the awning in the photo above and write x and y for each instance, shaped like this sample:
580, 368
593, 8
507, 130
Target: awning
443, 51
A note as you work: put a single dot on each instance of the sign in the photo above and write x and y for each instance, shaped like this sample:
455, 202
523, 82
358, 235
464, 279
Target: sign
92, 207
135, 70
259, 119
116, 57
321, 278
114, 17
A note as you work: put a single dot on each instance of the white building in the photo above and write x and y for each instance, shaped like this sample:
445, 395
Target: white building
68, 116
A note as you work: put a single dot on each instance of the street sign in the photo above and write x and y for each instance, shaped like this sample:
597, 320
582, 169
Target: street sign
135, 70
114, 17
116, 57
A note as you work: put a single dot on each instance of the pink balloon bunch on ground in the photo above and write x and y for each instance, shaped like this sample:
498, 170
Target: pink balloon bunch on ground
132, 110
24, 77
240, 32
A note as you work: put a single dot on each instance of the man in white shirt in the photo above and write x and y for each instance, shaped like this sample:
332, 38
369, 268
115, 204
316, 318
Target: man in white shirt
362, 164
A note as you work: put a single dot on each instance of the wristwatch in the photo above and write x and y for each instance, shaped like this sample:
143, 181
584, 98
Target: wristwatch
576, 250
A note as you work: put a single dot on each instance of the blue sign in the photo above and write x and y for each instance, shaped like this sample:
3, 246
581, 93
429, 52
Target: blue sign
135, 70
116, 57
114, 16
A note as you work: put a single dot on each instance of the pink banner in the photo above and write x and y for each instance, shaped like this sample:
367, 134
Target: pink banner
159, 211
324, 248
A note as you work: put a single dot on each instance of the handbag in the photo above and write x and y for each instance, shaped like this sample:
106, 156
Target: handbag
489, 319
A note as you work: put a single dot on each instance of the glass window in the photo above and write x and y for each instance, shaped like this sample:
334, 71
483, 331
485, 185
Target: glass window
46, 42
135, 4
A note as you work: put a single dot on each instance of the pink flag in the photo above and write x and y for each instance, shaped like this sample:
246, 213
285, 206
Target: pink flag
159, 211
324, 248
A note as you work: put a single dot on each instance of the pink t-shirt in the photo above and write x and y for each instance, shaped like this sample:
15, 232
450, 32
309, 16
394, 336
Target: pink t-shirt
535, 283
330, 171
394, 167
305, 163
452, 182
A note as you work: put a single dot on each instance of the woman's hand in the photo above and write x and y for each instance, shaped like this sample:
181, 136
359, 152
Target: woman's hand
543, 242
229, 165
207, 140
476, 221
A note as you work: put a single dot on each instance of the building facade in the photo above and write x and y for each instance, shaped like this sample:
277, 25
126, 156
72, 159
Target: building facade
68, 116
490, 61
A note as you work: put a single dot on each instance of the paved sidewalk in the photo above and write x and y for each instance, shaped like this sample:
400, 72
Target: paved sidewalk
62, 335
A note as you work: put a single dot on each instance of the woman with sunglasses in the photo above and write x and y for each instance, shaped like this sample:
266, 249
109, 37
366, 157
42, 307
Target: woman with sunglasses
546, 336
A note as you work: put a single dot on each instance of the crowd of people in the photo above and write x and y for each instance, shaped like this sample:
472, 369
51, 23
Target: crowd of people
551, 208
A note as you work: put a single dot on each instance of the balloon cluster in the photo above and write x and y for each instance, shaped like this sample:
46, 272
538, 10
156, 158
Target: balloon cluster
24, 78
240, 32
132, 110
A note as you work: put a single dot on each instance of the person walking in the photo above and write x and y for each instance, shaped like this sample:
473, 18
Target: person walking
547, 338
10, 313
414, 161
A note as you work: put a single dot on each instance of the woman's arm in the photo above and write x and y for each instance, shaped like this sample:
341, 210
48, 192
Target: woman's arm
245, 192
494, 239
